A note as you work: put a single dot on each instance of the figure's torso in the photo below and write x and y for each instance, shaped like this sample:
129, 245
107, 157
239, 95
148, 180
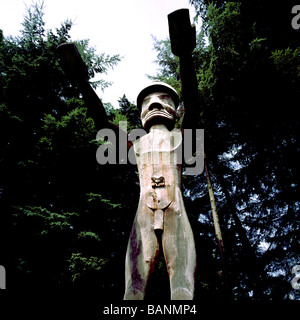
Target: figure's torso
158, 156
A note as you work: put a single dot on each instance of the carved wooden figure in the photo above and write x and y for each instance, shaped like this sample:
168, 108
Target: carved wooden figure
161, 211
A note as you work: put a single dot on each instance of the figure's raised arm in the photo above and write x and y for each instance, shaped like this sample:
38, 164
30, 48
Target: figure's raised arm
183, 42
73, 65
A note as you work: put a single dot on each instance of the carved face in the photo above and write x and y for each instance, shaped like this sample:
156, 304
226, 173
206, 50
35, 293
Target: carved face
158, 108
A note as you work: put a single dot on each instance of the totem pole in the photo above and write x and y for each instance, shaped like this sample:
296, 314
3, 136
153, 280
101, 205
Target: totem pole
161, 211
161, 217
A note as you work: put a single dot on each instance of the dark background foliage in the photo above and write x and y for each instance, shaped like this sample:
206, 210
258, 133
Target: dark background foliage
65, 220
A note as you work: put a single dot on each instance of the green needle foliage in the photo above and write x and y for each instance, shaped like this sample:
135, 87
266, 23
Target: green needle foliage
66, 219
57, 206
247, 65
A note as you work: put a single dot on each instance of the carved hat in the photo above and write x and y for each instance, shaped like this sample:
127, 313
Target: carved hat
157, 87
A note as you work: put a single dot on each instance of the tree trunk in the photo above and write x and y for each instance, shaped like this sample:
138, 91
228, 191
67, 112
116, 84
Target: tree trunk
218, 232
214, 212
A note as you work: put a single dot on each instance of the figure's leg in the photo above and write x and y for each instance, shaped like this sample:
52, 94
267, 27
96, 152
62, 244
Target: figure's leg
141, 256
180, 254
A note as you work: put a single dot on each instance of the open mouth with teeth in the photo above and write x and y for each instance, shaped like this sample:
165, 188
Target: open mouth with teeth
158, 113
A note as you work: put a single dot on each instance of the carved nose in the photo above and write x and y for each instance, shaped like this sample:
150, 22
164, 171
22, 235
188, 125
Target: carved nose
155, 105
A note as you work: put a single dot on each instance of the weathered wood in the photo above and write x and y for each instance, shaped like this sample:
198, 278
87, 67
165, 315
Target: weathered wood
160, 206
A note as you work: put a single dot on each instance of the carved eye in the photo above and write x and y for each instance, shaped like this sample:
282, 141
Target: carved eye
146, 100
165, 97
